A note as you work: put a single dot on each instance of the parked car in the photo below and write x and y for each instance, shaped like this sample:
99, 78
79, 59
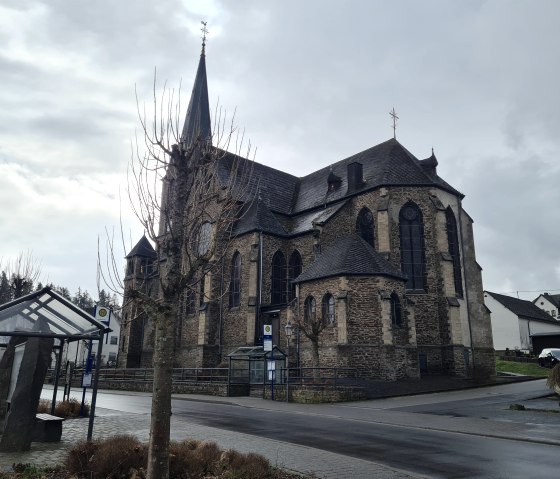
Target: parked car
549, 357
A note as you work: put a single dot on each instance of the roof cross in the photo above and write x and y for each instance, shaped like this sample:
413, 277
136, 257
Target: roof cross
393, 114
204, 31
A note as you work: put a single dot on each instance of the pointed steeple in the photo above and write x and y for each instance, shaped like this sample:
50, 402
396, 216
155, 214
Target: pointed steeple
197, 122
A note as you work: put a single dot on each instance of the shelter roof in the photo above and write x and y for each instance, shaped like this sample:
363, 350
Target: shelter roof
46, 313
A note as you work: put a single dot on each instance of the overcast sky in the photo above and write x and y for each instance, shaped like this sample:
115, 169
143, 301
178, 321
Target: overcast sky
312, 83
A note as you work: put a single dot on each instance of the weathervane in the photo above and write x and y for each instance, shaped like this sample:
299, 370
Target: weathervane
395, 118
204, 31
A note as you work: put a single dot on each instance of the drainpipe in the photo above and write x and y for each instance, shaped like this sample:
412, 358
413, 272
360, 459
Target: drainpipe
259, 287
465, 276
220, 316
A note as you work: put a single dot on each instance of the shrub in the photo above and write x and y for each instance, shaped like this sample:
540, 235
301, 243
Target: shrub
553, 380
111, 458
124, 457
70, 408
193, 459
247, 466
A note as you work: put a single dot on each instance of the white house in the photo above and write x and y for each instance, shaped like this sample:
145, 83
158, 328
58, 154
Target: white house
76, 351
549, 303
515, 320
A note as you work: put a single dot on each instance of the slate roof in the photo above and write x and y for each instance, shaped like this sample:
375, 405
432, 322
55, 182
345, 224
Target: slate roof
197, 121
387, 164
258, 217
276, 188
349, 256
522, 308
143, 248
307, 221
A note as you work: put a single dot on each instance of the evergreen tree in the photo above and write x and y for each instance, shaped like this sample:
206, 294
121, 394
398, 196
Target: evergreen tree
5, 290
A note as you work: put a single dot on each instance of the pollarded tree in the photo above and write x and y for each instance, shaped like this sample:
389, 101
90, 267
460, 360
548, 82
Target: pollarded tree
189, 219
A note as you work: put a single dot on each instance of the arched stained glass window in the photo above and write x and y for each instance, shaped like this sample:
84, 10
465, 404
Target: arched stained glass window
278, 280
235, 281
413, 261
294, 271
453, 244
364, 226
309, 309
396, 312
328, 309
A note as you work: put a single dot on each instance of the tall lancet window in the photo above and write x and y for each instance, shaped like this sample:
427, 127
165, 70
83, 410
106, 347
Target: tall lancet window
453, 243
294, 271
413, 262
235, 281
278, 279
364, 226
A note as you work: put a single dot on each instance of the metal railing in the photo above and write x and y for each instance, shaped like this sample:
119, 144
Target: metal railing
322, 376
296, 376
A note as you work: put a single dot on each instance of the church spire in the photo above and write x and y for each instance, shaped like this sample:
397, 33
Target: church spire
197, 122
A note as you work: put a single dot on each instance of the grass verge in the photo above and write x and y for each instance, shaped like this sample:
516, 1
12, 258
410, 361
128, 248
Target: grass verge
527, 369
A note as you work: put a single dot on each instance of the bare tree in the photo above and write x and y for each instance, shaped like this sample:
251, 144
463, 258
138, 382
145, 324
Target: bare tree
22, 273
311, 324
187, 195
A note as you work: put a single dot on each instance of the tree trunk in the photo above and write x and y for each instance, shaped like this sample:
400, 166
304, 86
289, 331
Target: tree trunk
158, 453
315, 358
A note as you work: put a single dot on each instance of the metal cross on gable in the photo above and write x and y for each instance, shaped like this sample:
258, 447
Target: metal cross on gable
393, 114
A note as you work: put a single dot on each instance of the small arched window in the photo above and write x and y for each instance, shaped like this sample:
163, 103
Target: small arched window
294, 270
396, 312
310, 309
454, 252
235, 281
278, 280
411, 228
364, 226
328, 309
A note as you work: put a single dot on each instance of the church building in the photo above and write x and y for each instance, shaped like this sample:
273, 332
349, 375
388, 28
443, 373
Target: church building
376, 248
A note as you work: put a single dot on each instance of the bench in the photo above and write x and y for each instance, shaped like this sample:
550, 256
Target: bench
47, 428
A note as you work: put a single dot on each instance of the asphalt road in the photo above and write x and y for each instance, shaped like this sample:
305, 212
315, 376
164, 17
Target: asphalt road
342, 430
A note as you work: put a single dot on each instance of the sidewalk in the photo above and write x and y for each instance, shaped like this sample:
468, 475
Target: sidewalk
300, 459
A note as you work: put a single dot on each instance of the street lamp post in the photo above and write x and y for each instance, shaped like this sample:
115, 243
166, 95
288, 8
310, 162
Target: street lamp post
288, 329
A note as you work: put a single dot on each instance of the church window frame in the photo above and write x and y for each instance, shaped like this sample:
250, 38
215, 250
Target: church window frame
294, 270
454, 250
235, 281
190, 300
129, 267
328, 309
413, 256
309, 309
201, 291
365, 226
396, 311
278, 280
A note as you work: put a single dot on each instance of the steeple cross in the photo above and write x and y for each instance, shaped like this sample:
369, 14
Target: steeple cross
395, 118
204, 31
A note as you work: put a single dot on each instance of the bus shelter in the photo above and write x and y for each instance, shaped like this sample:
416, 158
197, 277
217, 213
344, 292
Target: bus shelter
254, 365
47, 314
